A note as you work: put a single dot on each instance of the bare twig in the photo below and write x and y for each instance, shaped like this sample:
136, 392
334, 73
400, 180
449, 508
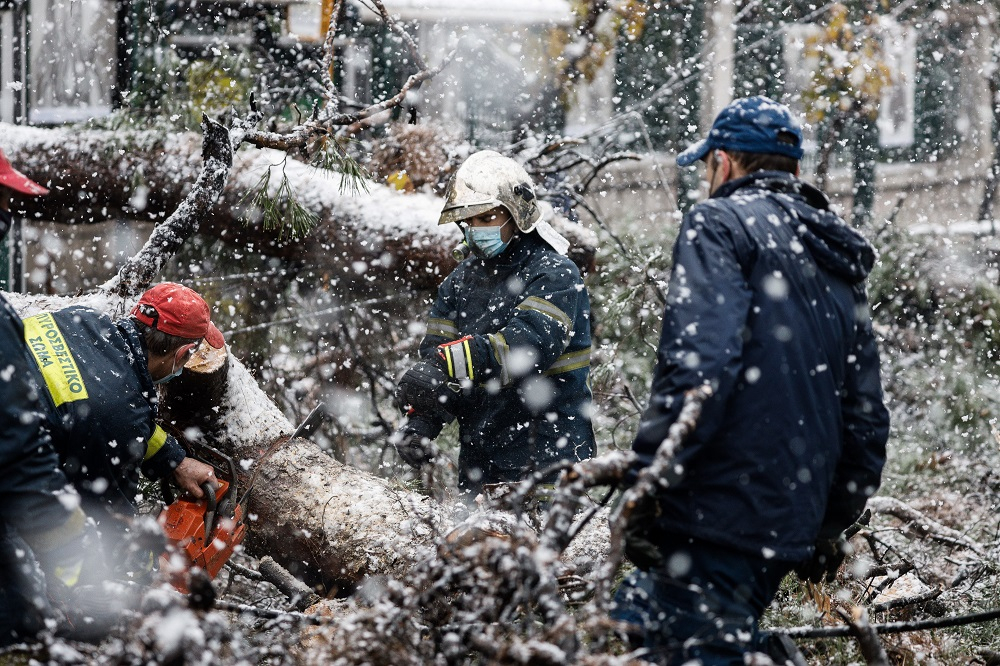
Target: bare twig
907, 601
246, 572
301, 595
412, 81
649, 479
324, 125
328, 49
871, 646
892, 574
398, 29
896, 627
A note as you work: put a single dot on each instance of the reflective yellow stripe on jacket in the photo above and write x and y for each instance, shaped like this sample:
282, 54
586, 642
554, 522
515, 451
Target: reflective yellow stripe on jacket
442, 328
570, 361
155, 442
54, 359
548, 309
458, 356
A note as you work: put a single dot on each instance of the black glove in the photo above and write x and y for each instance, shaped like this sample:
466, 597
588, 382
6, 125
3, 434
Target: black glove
413, 440
825, 560
425, 388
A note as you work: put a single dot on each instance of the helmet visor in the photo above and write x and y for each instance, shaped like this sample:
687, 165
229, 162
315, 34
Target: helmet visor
455, 213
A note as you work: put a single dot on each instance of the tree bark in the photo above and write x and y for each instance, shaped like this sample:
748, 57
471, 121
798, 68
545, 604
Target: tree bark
95, 175
867, 636
329, 524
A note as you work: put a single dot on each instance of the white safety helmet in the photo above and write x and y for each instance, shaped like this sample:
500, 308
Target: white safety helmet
486, 180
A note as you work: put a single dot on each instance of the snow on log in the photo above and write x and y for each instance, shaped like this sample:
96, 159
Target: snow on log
96, 175
329, 524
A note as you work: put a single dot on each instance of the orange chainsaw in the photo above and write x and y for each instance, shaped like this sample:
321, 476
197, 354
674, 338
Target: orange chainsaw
204, 532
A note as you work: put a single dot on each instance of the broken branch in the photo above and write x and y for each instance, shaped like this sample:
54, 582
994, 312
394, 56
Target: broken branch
922, 524
217, 157
871, 647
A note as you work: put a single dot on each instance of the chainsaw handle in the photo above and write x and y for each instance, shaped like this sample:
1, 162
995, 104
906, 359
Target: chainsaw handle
168, 494
209, 489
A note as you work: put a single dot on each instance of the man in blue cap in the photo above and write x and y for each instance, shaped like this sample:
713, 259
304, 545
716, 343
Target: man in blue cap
767, 306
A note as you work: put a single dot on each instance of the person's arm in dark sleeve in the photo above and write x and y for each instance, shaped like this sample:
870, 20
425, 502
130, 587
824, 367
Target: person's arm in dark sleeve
38, 502
163, 455
36, 499
866, 430
537, 333
708, 300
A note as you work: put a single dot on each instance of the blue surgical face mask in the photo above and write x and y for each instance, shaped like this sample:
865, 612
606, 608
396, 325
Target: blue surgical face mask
175, 373
486, 241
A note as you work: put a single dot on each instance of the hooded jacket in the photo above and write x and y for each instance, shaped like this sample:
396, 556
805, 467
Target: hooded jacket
102, 405
766, 304
527, 313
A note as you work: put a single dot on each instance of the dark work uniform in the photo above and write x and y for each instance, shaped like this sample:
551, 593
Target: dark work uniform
37, 506
528, 314
103, 405
767, 305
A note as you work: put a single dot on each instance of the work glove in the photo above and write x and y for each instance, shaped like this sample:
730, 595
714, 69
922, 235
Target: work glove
425, 388
826, 559
413, 441
641, 545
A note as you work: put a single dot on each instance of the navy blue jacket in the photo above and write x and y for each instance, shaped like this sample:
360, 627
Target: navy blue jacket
528, 313
30, 478
103, 405
766, 303
37, 508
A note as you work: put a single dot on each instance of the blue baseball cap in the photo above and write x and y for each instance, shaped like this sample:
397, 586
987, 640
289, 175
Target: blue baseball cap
749, 125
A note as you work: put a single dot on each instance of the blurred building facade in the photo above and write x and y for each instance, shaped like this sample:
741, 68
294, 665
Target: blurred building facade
928, 144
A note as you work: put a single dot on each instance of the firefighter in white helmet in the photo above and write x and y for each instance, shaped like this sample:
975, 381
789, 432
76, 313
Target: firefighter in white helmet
507, 346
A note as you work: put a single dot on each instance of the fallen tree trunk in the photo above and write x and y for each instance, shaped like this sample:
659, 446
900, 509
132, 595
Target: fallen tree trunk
328, 523
95, 175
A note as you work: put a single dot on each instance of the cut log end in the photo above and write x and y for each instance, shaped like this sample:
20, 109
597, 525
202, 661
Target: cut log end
206, 360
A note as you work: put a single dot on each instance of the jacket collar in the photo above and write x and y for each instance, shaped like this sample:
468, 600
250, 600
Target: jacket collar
775, 181
520, 250
138, 354
833, 244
